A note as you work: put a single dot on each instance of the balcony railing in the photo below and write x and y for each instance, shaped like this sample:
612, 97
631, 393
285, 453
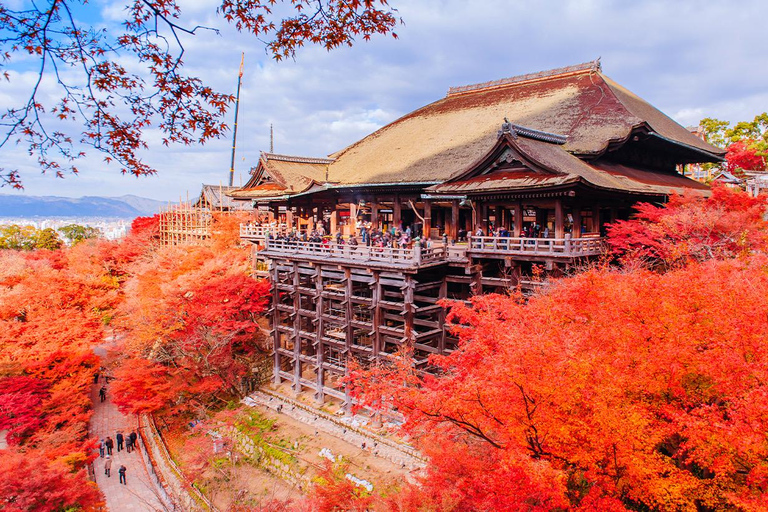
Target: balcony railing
258, 231
557, 247
401, 256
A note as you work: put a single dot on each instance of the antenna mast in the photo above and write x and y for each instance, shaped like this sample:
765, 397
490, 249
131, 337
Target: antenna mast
234, 131
271, 139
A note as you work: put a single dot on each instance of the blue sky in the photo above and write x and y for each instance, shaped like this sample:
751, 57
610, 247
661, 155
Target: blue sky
691, 59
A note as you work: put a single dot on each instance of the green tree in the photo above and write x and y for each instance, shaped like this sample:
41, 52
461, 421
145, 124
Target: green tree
13, 236
746, 142
47, 238
75, 233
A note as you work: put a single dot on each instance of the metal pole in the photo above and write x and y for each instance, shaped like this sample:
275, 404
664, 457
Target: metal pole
234, 131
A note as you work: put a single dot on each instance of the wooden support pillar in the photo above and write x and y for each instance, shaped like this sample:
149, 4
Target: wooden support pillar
442, 294
334, 221
454, 219
352, 225
427, 218
518, 227
296, 329
477, 217
289, 219
396, 212
576, 231
275, 322
319, 393
596, 226
498, 213
374, 215
376, 298
408, 308
559, 220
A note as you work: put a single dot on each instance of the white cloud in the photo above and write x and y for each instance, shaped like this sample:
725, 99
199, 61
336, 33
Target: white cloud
691, 59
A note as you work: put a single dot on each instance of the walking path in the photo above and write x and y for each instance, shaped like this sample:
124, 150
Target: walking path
139, 494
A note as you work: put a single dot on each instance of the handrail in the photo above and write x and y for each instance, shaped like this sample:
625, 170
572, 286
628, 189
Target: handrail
539, 246
364, 253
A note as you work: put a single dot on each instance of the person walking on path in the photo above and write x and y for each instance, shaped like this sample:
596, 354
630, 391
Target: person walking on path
119, 438
121, 471
103, 393
108, 466
96, 378
132, 437
102, 446
109, 444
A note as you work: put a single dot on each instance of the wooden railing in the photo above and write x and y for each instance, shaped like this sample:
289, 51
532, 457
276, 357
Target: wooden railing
259, 231
569, 247
415, 255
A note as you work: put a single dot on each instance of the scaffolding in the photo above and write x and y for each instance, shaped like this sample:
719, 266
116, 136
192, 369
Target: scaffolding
183, 223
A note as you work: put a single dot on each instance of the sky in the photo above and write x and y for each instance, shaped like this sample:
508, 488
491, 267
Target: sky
691, 59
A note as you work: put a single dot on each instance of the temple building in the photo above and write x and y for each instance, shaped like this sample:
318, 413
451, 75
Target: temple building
480, 191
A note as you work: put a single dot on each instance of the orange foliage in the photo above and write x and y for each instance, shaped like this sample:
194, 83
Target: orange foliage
690, 228
190, 321
610, 391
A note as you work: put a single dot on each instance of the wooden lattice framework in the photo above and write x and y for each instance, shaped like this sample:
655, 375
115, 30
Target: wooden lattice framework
184, 223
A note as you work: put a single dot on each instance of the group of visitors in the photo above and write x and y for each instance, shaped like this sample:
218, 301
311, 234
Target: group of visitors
106, 446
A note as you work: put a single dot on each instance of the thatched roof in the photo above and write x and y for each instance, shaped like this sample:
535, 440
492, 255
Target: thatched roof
214, 197
443, 138
278, 175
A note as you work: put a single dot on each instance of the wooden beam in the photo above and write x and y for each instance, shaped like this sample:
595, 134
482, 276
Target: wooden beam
374, 214
559, 221
396, 212
518, 229
427, 218
454, 219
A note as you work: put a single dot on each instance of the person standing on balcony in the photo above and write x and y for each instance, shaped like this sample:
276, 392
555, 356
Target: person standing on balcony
479, 231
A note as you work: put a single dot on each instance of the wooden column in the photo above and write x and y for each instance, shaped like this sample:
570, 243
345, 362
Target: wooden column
352, 227
374, 215
576, 232
427, 218
396, 212
596, 219
334, 222
289, 219
498, 213
376, 298
518, 219
296, 330
319, 393
454, 219
477, 217
275, 323
559, 221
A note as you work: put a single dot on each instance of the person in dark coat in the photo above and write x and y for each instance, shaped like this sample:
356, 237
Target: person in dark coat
103, 393
109, 444
121, 471
107, 465
102, 447
132, 439
119, 438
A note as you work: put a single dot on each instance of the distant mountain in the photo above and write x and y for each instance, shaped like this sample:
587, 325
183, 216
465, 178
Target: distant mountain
127, 206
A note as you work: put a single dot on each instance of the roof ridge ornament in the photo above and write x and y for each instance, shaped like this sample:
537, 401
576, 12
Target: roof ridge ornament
514, 130
508, 129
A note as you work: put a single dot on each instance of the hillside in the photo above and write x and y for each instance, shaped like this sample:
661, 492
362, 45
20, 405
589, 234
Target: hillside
128, 206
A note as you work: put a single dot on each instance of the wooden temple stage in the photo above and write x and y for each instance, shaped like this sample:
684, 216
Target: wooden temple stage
491, 204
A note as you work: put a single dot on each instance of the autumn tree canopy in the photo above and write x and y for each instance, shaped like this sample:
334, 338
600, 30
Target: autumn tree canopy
190, 321
111, 87
746, 142
615, 389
